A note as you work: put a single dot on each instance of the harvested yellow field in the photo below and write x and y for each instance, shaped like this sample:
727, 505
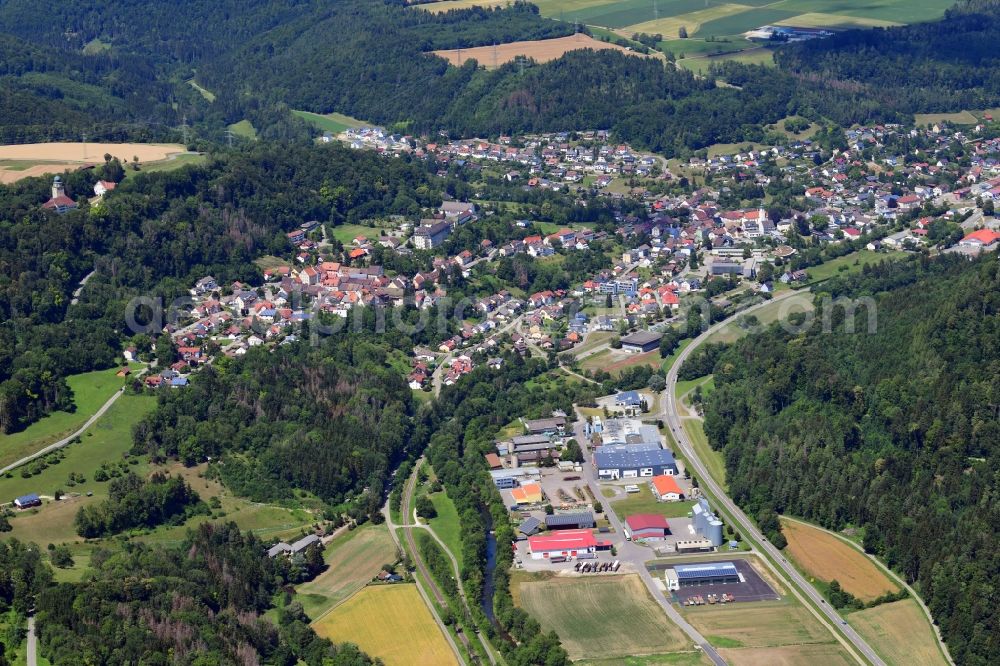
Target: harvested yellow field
89, 152
25, 160
827, 558
12, 175
900, 633
541, 50
827, 654
670, 26
390, 622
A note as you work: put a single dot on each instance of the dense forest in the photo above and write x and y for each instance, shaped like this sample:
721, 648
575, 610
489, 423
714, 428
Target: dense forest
158, 234
896, 432
122, 69
332, 420
136, 502
198, 603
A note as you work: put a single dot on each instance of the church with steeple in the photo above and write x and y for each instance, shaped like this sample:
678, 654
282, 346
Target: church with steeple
60, 203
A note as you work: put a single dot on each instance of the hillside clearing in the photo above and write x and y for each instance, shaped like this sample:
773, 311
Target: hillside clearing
390, 622
334, 123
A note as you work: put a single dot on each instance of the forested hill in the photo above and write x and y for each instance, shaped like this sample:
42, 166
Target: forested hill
115, 69
896, 432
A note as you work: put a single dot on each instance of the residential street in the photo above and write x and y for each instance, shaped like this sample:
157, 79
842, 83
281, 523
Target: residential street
672, 418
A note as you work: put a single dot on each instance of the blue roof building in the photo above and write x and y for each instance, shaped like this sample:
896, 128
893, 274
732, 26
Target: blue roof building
629, 464
703, 573
25, 501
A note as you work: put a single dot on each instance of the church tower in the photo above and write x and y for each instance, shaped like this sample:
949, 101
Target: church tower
58, 190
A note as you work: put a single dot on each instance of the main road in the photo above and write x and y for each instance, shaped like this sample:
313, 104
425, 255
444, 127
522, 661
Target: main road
672, 418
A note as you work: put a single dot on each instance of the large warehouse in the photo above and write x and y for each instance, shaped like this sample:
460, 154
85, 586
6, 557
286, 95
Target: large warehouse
618, 464
565, 543
707, 573
570, 521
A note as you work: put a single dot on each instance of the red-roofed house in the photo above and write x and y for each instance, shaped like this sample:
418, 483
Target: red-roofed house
101, 187
59, 203
646, 526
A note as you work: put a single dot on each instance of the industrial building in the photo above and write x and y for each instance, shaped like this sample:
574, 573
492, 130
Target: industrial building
570, 521
643, 341
646, 526
665, 488
506, 479
529, 493
530, 526
706, 523
707, 573
630, 464
629, 431
700, 545
565, 543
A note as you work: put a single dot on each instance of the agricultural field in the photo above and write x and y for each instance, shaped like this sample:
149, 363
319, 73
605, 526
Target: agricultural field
37, 159
390, 622
823, 556
766, 632
715, 26
541, 50
334, 123
90, 391
960, 118
353, 559
601, 618
900, 633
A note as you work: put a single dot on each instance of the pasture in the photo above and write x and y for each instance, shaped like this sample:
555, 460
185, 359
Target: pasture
900, 633
822, 555
540, 50
827, 654
960, 118
604, 617
390, 622
446, 525
90, 391
353, 559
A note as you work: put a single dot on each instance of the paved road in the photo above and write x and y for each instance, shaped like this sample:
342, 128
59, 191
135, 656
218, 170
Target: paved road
672, 418
32, 642
65, 441
636, 555
407, 533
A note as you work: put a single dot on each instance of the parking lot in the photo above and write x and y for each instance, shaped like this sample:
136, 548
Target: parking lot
750, 588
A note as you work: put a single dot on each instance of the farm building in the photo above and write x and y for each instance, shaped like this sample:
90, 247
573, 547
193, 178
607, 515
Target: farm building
629, 464
28, 501
566, 543
493, 460
529, 493
706, 523
665, 488
570, 521
512, 478
643, 341
707, 573
646, 526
